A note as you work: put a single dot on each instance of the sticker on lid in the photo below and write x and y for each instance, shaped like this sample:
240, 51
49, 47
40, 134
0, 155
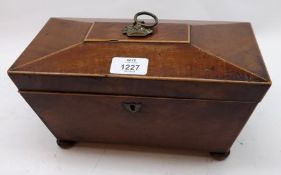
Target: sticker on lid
129, 65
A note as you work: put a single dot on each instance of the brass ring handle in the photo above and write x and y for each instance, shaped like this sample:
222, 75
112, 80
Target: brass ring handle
142, 22
140, 28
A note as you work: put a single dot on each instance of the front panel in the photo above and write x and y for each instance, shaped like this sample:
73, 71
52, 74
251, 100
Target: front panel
165, 122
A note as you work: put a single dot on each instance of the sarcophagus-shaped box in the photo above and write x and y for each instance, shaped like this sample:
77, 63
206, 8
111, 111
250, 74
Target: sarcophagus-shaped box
188, 85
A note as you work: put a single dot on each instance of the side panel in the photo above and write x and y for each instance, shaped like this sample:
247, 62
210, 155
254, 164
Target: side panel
164, 122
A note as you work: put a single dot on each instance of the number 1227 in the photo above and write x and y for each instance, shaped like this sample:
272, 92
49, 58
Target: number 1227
129, 67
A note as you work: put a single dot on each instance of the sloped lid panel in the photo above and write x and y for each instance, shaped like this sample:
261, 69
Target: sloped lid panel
57, 34
234, 43
165, 60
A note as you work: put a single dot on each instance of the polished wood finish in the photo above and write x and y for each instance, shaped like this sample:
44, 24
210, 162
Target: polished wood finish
204, 80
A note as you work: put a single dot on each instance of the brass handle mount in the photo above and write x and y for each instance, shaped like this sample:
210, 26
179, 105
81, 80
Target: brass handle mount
139, 28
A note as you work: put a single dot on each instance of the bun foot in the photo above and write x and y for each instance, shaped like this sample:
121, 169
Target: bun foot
65, 144
219, 155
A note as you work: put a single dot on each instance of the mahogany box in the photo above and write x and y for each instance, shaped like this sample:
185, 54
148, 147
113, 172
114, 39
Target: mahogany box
187, 85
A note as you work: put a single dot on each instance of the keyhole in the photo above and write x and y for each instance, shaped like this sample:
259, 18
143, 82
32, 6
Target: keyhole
132, 108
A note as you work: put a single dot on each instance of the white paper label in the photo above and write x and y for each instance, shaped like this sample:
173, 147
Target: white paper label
129, 65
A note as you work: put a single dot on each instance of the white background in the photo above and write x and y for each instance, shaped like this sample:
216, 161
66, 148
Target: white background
27, 147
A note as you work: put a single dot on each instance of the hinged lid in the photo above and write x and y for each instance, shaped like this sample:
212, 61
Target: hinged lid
187, 59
